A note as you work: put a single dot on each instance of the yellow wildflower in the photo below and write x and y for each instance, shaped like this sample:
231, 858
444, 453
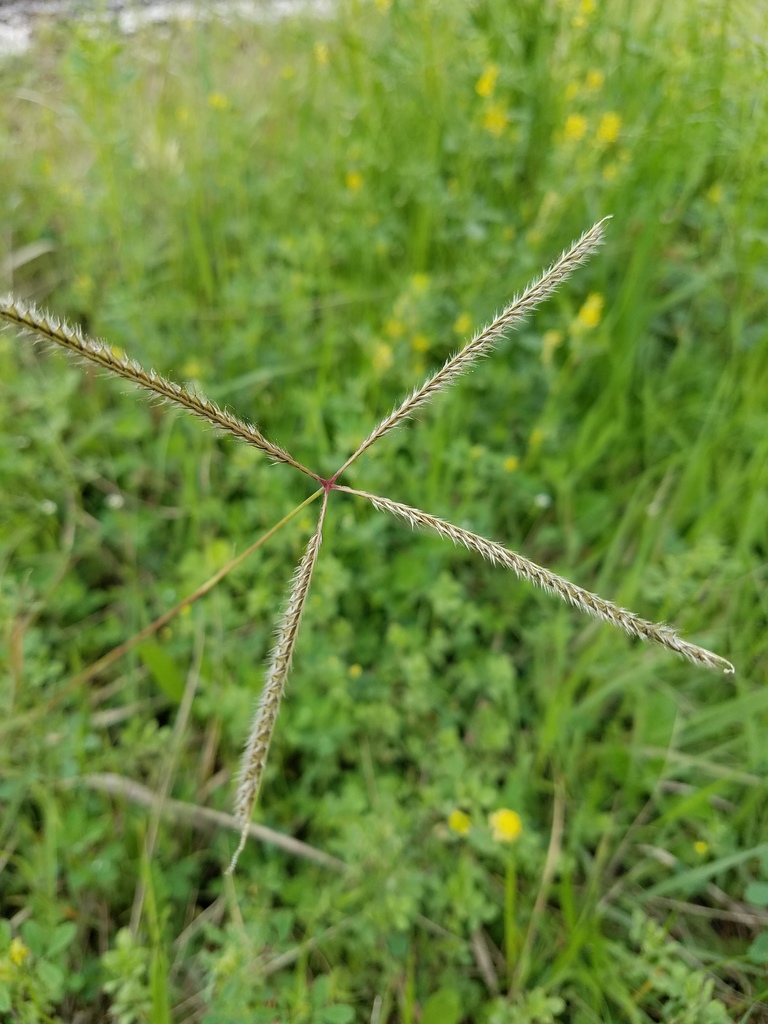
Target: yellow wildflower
701, 847
486, 83
420, 282
609, 127
459, 822
287, 73
549, 342
595, 80
354, 181
611, 172
383, 5
18, 951
495, 119
382, 357
511, 463
591, 312
355, 671
587, 7
715, 193
218, 101
575, 127
420, 343
463, 323
506, 825
321, 54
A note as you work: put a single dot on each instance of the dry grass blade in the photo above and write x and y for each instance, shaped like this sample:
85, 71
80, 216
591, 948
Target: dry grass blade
42, 325
514, 314
549, 581
263, 725
199, 817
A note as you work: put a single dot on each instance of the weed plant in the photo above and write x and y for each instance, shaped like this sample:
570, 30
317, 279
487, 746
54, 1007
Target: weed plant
312, 215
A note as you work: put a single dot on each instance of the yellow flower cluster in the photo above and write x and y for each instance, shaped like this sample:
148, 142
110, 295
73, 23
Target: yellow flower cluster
486, 83
218, 101
575, 127
382, 357
495, 120
459, 822
463, 324
354, 181
18, 951
609, 128
591, 313
506, 826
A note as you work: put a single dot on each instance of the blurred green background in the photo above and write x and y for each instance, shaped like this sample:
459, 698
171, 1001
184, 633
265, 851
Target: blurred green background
303, 217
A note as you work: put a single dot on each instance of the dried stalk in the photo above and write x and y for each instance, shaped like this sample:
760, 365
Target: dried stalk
582, 599
481, 344
198, 817
42, 325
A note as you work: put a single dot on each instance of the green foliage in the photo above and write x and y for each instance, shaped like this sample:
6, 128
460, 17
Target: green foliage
668, 986
126, 968
305, 217
535, 1007
32, 976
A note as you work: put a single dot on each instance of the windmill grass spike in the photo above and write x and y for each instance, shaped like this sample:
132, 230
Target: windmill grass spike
481, 343
525, 569
268, 707
40, 325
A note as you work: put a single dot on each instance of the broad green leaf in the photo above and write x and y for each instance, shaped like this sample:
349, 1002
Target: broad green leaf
163, 669
442, 1007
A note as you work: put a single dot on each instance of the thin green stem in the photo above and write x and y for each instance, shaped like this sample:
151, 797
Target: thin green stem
510, 926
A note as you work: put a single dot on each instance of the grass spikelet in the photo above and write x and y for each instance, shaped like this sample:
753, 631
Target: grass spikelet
481, 344
582, 599
268, 707
50, 328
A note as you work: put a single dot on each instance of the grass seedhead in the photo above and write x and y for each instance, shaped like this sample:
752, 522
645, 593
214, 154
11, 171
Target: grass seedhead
40, 325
